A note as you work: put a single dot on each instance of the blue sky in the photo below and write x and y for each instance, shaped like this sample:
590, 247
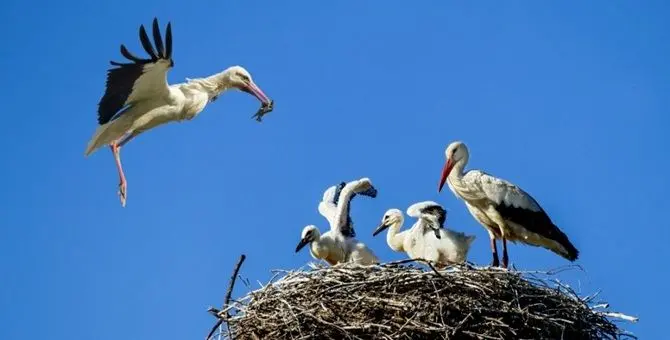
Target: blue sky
568, 100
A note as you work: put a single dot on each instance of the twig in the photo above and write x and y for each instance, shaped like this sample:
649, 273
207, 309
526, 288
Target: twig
620, 316
394, 301
226, 301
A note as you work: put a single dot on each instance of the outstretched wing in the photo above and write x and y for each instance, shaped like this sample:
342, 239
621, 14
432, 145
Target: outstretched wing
328, 204
342, 223
138, 79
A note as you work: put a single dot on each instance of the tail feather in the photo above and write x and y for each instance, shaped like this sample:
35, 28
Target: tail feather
96, 141
107, 133
566, 249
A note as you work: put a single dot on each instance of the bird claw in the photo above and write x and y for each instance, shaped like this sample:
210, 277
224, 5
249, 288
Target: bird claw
122, 193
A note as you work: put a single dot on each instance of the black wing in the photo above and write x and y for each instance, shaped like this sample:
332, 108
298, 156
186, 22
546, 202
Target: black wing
538, 222
437, 211
347, 230
124, 81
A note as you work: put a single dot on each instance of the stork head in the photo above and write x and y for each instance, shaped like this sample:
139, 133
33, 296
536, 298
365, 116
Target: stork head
239, 78
391, 217
309, 234
456, 152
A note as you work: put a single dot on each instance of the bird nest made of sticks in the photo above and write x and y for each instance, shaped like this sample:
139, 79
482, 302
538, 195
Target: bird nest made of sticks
404, 301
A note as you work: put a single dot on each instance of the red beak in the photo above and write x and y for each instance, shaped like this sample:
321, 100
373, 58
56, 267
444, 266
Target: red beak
445, 173
257, 92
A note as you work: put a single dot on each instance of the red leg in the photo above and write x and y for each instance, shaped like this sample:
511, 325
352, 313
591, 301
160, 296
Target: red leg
116, 149
505, 259
494, 249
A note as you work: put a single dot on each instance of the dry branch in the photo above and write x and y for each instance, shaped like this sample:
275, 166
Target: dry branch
224, 313
401, 301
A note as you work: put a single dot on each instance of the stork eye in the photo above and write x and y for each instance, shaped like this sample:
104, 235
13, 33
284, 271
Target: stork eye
244, 77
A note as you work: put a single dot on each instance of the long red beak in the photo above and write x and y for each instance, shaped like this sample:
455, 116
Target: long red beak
258, 93
445, 173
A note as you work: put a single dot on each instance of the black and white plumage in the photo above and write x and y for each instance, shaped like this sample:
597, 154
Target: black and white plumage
138, 97
331, 198
339, 245
428, 238
504, 209
431, 212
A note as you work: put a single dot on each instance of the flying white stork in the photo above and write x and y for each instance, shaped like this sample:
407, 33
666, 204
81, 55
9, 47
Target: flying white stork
138, 98
420, 241
504, 209
339, 245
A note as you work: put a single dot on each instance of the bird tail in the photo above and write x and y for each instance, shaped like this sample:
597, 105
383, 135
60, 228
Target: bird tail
567, 249
96, 141
107, 133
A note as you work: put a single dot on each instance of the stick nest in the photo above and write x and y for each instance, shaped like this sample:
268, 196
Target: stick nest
399, 301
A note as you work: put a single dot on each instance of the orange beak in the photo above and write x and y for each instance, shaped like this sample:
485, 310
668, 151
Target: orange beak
445, 173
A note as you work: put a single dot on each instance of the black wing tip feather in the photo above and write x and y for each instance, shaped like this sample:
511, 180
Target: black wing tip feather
572, 252
121, 78
540, 223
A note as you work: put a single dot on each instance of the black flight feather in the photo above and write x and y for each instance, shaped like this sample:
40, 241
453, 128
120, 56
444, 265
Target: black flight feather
121, 79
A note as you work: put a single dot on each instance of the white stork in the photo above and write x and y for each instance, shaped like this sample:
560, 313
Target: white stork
420, 241
328, 205
138, 98
339, 245
504, 209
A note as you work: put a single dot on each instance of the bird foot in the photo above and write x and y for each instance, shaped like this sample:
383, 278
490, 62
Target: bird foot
122, 193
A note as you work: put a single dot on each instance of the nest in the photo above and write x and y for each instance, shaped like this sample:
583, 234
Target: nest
400, 301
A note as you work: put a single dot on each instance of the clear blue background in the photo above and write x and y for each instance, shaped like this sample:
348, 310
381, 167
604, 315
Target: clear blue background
568, 100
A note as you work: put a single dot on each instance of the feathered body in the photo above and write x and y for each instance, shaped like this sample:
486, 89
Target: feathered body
420, 241
504, 209
339, 244
138, 97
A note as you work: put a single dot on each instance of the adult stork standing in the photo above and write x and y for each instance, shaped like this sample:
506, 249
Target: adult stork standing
505, 210
339, 245
138, 97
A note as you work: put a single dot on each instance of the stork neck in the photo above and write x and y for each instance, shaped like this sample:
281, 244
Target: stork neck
392, 238
213, 85
456, 184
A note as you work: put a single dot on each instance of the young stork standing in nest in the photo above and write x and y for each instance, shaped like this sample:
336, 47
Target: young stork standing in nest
339, 245
505, 210
420, 241
138, 97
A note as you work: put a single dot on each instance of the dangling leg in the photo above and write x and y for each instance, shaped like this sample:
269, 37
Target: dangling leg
116, 150
505, 259
494, 249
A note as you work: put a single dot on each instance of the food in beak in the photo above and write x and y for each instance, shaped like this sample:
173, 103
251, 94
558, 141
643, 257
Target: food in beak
263, 110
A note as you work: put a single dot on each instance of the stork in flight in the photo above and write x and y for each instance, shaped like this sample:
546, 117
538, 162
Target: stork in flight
339, 245
138, 98
505, 210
